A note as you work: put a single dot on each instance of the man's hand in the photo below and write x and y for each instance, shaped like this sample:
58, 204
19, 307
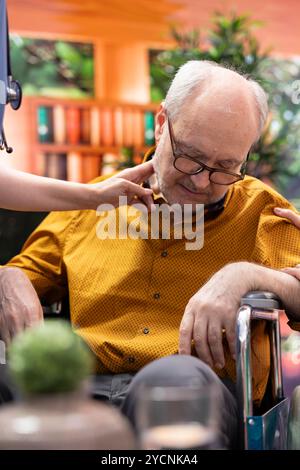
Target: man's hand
295, 219
212, 310
20, 307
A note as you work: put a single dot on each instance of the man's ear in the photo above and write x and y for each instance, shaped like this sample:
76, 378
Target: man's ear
160, 119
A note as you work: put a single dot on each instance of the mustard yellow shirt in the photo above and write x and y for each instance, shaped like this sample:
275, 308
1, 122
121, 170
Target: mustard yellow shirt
127, 297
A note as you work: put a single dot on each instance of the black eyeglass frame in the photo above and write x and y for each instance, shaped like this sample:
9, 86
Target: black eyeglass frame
239, 176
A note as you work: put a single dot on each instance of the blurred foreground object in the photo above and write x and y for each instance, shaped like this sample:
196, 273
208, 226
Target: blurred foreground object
50, 363
294, 421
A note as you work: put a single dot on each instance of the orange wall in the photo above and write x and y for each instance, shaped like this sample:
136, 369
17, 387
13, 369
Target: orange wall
281, 19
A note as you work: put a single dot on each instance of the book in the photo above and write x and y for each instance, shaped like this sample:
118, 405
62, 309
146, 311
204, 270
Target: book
56, 166
95, 126
73, 125
75, 167
85, 126
45, 124
138, 129
90, 167
119, 127
40, 163
107, 128
128, 128
59, 124
149, 138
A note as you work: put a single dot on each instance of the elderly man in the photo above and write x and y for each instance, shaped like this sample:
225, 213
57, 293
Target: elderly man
146, 307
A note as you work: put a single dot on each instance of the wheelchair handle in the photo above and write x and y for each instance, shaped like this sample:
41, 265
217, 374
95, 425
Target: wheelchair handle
265, 306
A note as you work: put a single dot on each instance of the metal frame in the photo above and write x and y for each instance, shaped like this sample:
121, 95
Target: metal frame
258, 306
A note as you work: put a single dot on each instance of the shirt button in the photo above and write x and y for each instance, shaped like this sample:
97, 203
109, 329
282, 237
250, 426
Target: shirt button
164, 254
146, 331
156, 295
131, 359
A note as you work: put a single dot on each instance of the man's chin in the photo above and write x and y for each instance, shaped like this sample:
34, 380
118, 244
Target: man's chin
184, 196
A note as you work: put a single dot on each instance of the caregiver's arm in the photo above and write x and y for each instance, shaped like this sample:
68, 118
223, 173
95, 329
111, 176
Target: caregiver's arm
26, 192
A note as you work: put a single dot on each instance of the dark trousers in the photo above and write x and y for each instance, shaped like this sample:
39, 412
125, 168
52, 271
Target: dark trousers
121, 389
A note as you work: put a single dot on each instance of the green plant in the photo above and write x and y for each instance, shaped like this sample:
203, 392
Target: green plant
53, 68
283, 132
126, 158
231, 42
49, 358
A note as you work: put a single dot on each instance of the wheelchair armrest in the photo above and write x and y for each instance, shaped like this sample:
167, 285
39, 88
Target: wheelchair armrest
261, 300
256, 305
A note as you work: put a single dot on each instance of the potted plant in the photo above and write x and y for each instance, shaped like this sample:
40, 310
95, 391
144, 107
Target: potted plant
50, 365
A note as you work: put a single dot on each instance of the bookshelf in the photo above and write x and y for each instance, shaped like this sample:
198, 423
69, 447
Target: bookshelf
78, 139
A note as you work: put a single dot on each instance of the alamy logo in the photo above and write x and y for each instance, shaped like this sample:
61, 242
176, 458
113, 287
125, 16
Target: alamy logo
164, 222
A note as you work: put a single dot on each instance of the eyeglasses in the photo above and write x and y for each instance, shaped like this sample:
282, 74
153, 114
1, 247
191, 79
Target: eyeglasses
191, 166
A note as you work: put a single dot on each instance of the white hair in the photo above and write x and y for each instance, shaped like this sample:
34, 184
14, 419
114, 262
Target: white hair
189, 77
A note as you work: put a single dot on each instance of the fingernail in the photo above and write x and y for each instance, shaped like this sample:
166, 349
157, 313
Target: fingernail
219, 365
277, 210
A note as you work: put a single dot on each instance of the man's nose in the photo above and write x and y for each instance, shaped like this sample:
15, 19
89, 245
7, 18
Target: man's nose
201, 180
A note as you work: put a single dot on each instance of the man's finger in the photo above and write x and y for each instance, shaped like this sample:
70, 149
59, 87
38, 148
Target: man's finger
201, 342
15, 321
214, 338
293, 272
288, 214
30, 320
11, 320
186, 333
230, 336
4, 330
138, 173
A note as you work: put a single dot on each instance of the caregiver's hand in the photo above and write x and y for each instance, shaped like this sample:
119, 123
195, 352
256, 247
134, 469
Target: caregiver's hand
126, 183
288, 214
295, 219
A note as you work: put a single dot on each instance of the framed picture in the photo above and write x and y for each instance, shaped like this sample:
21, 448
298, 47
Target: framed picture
53, 68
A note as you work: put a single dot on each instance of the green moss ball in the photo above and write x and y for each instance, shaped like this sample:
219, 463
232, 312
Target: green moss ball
49, 358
